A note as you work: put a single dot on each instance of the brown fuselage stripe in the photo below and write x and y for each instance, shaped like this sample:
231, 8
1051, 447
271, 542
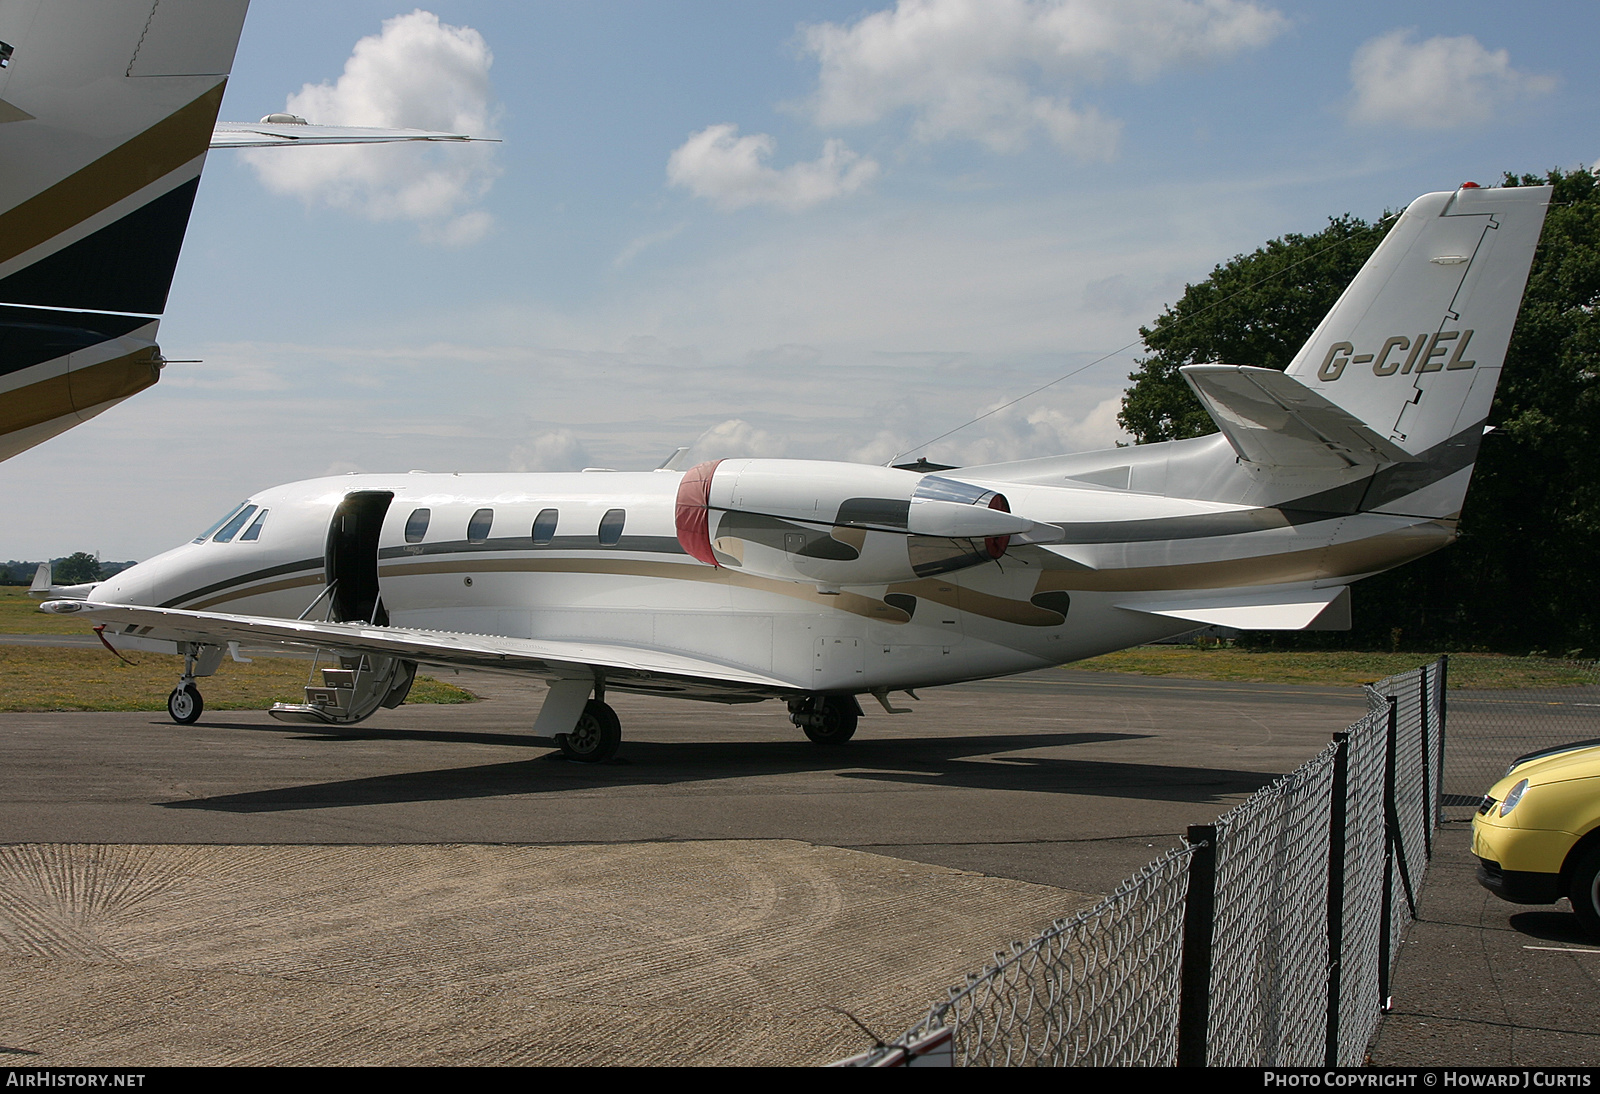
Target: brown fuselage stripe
258, 590
126, 169
79, 390
1339, 560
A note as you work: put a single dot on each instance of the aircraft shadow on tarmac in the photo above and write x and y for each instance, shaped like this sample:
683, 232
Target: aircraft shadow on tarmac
932, 761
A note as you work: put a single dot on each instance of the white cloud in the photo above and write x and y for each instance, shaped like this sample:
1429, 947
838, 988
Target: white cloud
559, 450
1439, 83
418, 73
734, 438
994, 71
1035, 427
730, 170
640, 244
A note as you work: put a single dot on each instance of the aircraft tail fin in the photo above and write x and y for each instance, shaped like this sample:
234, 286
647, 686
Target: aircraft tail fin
106, 113
1402, 372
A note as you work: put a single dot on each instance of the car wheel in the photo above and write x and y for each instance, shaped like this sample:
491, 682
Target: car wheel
1584, 891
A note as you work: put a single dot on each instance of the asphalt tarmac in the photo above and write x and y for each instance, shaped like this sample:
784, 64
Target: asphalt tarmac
436, 886
1070, 779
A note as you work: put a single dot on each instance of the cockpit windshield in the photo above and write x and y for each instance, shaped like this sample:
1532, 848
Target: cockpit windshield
235, 523
209, 532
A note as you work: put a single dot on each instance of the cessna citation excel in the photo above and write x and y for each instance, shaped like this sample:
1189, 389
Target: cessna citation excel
817, 583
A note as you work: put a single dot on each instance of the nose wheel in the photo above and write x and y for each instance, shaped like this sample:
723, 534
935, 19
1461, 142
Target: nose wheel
185, 705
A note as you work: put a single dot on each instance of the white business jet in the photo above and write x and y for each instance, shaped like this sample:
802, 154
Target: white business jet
817, 583
106, 113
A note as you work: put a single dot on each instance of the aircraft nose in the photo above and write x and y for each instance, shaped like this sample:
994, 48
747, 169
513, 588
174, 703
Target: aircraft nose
128, 587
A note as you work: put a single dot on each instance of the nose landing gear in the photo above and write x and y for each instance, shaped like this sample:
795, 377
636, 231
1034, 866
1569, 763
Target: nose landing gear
185, 704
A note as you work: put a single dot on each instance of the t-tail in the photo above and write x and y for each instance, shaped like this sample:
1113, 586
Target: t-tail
1392, 391
106, 112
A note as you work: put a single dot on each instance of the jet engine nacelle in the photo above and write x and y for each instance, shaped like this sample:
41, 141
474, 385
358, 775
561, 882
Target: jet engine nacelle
836, 524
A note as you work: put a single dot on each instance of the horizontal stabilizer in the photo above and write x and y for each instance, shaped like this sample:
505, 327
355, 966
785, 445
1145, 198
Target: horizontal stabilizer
278, 134
1290, 610
1273, 420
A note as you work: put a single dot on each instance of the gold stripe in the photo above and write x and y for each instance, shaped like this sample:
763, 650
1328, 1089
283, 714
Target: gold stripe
78, 390
1340, 560
131, 166
12, 113
854, 603
257, 590
971, 601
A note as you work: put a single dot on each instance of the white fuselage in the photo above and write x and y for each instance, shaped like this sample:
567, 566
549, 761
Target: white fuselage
1036, 606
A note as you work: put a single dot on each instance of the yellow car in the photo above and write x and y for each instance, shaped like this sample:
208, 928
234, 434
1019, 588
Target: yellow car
1537, 833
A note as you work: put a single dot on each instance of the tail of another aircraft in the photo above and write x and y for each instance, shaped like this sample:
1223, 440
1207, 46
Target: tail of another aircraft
1396, 382
106, 112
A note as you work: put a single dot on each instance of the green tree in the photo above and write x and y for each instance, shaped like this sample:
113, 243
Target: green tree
75, 569
1522, 576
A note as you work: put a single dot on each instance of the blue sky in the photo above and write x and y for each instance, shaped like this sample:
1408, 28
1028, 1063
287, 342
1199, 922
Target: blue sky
827, 230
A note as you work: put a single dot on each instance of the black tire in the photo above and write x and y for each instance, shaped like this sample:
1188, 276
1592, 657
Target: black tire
837, 721
595, 738
1584, 891
185, 706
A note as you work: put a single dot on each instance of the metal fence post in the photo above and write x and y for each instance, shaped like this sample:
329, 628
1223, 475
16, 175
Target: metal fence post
1423, 702
1443, 682
1199, 923
1337, 808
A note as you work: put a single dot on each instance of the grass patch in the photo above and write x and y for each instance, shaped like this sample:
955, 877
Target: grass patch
1340, 667
46, 679
20, 614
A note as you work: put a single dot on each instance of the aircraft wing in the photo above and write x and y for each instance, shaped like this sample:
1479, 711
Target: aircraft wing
628, 667
274, 134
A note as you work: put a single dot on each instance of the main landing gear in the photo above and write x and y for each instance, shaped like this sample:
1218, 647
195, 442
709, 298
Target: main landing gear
596, 737
826, 719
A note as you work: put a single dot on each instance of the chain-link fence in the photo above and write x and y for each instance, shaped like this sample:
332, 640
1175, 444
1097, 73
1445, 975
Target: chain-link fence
1099, 989
1490, 727
1266, 940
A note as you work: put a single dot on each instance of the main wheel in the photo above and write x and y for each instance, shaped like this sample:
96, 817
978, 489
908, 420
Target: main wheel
184, 705
1584, 891
596, 736
833, 720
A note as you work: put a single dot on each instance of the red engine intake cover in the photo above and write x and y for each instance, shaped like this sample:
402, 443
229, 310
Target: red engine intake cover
691, 516
996, 545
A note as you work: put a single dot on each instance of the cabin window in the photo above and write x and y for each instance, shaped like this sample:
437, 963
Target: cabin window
544, 526
207, 534
253, 532
478, 526
417, 525
231, 529
611, 527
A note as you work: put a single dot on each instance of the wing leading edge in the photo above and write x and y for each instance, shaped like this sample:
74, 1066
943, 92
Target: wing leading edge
627, 667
